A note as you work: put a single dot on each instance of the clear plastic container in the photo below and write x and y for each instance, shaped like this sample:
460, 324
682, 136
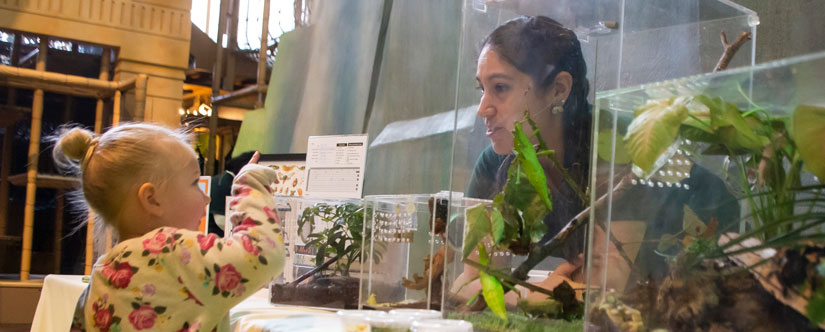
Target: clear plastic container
390, 323
676, 216
441, 325
357, 320
417, 314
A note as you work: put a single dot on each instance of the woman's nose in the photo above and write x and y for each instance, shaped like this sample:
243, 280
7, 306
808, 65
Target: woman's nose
485, 108
206, 199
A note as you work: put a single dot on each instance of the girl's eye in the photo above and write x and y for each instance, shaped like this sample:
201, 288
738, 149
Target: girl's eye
196, 182
481, 89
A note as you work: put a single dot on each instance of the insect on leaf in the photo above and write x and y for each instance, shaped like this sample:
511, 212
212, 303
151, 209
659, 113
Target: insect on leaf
530, 163
493, 294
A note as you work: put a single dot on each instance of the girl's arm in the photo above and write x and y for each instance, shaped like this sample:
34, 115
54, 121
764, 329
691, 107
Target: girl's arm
228, 270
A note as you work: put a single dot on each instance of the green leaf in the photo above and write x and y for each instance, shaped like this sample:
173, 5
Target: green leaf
808, 131
653, 130
666, 242
520, 194
815, 310
496, 226
739, 133
528, 160
126, 254
135, 305
483, 258
478, 227
691, 223
605, 148
262, 260
160, 309
493, 294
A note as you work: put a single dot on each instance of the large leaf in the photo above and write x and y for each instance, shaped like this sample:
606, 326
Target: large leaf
691, 223
653, 130
478, 226
528, 160
808, 131
605, 148
521, 194
491, 287
496, 225
735, 130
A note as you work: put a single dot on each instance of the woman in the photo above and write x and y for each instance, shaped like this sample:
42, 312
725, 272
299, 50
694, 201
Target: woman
535, 64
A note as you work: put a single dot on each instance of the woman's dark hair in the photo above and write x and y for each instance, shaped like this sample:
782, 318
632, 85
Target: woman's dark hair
542, 48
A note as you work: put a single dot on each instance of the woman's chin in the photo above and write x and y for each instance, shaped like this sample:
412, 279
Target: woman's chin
503, 148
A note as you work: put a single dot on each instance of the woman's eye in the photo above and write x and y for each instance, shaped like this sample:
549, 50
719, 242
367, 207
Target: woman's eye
501, 88
480, 89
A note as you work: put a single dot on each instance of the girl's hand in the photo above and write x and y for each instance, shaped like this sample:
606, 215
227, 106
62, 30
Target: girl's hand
254, 159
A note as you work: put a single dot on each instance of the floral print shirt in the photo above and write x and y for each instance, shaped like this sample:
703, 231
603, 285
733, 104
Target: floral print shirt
179, 280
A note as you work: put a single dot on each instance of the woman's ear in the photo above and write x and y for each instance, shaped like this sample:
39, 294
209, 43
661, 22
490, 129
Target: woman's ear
560, 89
149, 200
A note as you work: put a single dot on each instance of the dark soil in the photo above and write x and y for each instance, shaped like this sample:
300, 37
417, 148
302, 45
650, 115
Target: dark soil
717, 297
330, 292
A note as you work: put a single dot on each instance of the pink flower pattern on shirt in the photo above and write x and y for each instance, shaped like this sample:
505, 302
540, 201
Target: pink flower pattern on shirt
156, 282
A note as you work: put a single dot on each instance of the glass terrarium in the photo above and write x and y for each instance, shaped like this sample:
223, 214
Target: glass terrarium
323, 242
530, 280
707, 208
404, 261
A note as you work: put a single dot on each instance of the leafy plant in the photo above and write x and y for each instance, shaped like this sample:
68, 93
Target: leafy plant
770, 154
342, 239
515, 221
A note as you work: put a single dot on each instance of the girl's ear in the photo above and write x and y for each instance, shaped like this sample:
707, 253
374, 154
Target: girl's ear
149, 200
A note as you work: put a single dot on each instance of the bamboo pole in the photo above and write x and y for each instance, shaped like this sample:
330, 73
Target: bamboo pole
90, 230
140, 97
262, 56
31, 174
116, 109
61, 83
103, 76
209, 161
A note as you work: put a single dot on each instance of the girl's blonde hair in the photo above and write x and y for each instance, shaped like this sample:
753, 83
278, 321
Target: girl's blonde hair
112, 165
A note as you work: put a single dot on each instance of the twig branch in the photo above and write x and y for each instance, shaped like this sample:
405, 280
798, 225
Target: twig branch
539, 253
730, 49
317, 269
503, 276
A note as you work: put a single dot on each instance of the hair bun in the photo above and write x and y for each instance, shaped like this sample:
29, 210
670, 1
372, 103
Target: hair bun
71, 147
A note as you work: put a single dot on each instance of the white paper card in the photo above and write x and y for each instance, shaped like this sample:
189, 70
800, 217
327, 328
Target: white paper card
335, 166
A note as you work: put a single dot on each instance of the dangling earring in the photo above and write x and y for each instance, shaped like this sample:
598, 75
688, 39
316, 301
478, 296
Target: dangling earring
558, 109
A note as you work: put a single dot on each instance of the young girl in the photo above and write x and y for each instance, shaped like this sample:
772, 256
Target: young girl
164, 275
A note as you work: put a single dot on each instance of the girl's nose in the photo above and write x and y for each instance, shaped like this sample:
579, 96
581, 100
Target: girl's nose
207, 199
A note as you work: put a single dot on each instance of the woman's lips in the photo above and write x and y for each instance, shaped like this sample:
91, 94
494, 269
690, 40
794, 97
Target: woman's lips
492, 131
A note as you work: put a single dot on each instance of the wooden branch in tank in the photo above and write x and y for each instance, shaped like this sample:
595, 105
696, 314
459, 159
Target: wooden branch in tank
730, 49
